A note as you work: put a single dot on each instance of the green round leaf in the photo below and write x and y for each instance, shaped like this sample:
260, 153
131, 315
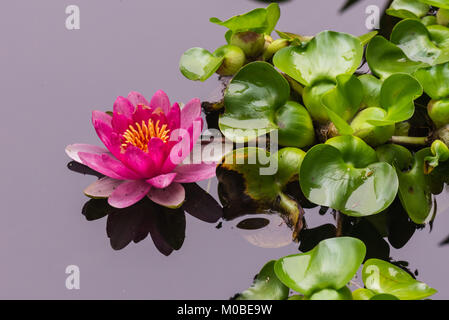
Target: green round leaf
396, 155
199, 64
256, 102
266, 286
330, 265
362, 294
437, 3
385, 58
408, 9
326, 56
418, 44
435, 80
371, 90
415, 189
364, 128
384, 296
344, 174
385, 278
331, 294
345, 98
366, 38
397, 97
259, 20
295, 125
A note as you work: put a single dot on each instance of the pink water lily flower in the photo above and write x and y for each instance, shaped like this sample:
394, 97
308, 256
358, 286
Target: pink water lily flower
146, 144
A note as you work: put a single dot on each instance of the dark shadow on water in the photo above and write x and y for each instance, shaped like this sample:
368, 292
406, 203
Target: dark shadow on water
165, 226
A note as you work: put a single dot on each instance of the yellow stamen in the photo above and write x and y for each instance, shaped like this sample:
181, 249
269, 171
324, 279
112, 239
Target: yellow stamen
139, 135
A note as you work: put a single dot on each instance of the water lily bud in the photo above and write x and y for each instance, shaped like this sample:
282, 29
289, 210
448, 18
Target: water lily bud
429, 21
274, 47
439, 112
312, 100
234, 59
443, 17
250, 42
373, 135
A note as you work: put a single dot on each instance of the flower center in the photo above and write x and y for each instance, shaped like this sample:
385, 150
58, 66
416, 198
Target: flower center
139, 135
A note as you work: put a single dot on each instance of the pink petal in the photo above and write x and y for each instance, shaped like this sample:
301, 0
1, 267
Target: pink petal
162, 181
120, 168
171, 197
160, 100
102, 188
123, 106
120, 123
140, 162
142, 113
190, 112
174, 117
106, 165
195, 131
73, 149
128, 193
157, 151
106, 134
101, 116
188, 173
137, 99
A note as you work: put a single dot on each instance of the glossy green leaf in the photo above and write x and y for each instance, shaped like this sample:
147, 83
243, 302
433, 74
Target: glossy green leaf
384, 296
199, 64
256, 102
366, 38
344, 174
385, 58
408, 9
332, 294
346, 97
440, 152
398, 156
365, 127
435, 80
330, 265
261, 20
293, 36
362, 294
326, 56
415, 189
397, 97
417, 42
266, 286
385, 278
371, 90
437, 3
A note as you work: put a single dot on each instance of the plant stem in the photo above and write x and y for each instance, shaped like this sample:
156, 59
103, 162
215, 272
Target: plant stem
339, 231
410, 140
292, 212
